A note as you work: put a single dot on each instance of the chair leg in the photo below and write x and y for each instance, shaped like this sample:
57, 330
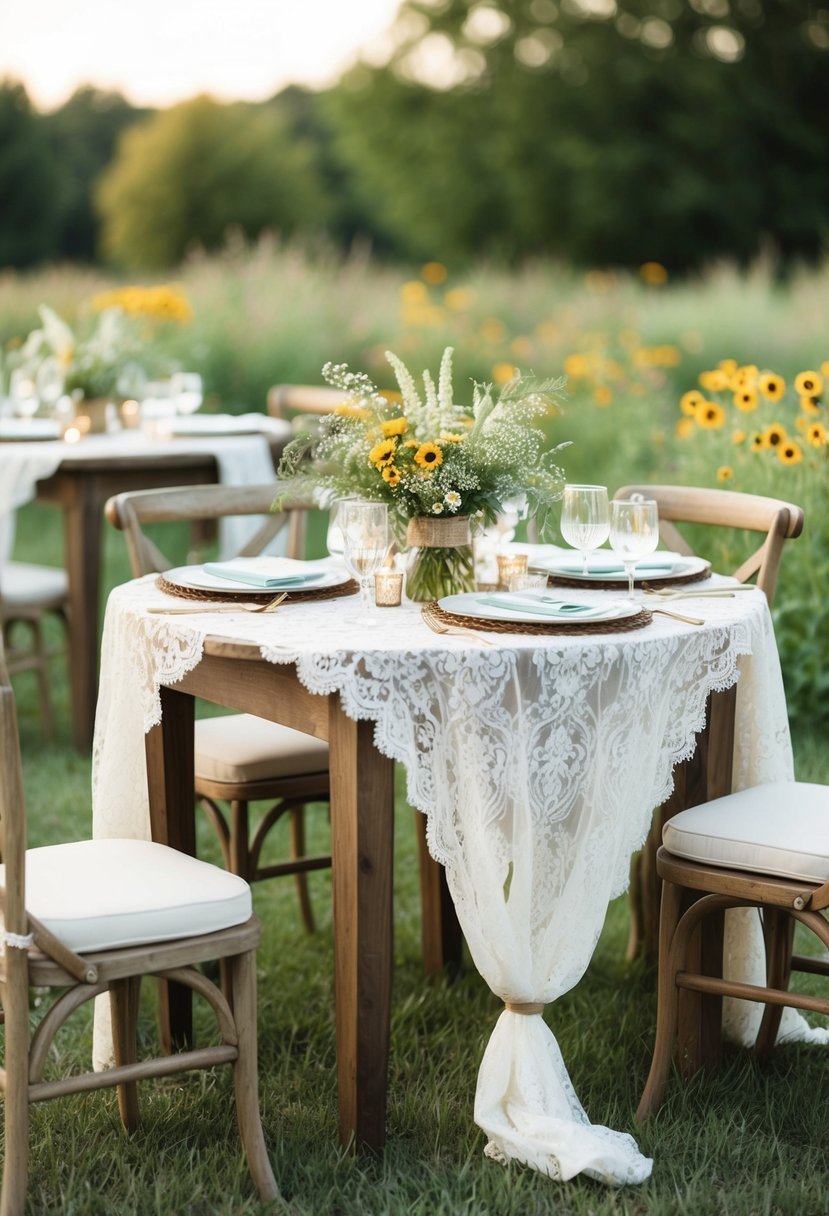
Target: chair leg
123, 999
246, 1074
779, 934
667, 1008
16, 1155
42, 671
297, 830
239, 841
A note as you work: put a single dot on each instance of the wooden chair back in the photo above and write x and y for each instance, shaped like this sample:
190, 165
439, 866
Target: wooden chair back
12, 811
778, 521
287, 399
132, 511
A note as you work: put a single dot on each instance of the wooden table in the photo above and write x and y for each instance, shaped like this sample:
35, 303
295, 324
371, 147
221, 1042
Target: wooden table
81, 487
362, 802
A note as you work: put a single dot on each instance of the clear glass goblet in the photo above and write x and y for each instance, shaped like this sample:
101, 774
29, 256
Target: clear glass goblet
585, 522
634, 531
365, 528
187, 391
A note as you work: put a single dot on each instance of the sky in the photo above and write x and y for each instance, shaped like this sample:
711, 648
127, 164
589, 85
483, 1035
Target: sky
158, 52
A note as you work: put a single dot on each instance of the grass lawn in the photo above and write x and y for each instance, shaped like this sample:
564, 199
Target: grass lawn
746, 1142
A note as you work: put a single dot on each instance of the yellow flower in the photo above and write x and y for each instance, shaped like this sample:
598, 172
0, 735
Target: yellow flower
576, 366
710, 415
504, 372
714, 381
758, 442
685, 428
383, 452
391, 474
790, 452
602, 395
774, 435
414, 292
350, 409
725, 472
824, 368
817, 435
738, 436
744, 377
689, 401
411, 443
772, 386
745, 399
809, 405
394, 426
428, 456
459, 298
801, 423
729, 366
434, 272
451, 437
809, 384
653, 273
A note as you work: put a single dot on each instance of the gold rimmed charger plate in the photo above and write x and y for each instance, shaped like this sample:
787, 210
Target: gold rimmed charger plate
637, 620
256, 594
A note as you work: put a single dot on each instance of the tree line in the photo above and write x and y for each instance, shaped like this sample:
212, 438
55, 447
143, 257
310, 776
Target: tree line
601, 132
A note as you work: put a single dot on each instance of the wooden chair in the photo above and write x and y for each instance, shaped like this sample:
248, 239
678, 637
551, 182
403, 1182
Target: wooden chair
94, 917
765, 848
240, 759
293, 400
28, 593
776, 522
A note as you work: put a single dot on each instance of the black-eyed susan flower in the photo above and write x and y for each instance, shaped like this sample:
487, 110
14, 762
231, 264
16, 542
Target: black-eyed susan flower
502, 373
391, 475
394, 426
429, 456
744, 377
774, 435
576, 366
725, 472
710, 415
715, 381
689, 402
808, 384
383, 452
790, 452
729, 366
745, 399
771, 386
810, 405
817, 434
758, 442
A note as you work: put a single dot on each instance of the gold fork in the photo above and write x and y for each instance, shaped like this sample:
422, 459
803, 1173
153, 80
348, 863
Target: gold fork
242, 606
438, 626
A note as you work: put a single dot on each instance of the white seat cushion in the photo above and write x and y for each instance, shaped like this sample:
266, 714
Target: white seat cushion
23, 583
780, 829
241, 747
104, 894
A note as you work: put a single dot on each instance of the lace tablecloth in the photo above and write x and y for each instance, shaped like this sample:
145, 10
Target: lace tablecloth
537, 761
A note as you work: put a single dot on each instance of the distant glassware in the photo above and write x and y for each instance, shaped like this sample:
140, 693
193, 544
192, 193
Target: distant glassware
585, 521
634, 531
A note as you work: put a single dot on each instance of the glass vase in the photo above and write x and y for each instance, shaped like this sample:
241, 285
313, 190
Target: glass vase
441, 559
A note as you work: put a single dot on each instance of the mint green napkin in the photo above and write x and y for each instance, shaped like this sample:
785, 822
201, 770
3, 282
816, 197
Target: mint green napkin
271, 573
544, 606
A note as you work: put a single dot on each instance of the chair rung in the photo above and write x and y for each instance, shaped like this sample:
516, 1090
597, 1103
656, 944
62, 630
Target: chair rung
750, 992
302, 865
163, 1066
814, 966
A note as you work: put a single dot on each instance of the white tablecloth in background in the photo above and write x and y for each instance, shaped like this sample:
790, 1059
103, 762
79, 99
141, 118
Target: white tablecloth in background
537, 761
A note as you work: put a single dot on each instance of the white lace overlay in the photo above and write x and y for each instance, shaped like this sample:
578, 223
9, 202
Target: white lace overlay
537, 762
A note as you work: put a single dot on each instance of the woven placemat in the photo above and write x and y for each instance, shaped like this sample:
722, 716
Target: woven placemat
623, 625
560, 580
256, 594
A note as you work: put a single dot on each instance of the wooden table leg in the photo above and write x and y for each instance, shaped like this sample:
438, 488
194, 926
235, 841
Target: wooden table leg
708, 775
440, 931
170, 783
362, 827
82, 540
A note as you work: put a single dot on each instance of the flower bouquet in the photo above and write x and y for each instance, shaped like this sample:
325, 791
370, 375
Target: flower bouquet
439, 466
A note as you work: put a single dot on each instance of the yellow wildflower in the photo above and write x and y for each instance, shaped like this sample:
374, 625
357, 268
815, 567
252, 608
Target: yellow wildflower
576, 366
817, 435
653, 273
391, 474
350, 409
772, 386
383, 452
459, 299
774, 435
758, 442
809, 405
710, 415
744, 377
725, 472
394, 426
809, 384
602, 395
689, 401
414, 292
714, 381
503, 372
428, 456
745, 399
729, 366
790, 452
434, 272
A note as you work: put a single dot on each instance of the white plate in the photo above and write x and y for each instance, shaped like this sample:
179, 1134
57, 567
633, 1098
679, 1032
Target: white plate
469, 604
194, 578
679, 567
23, 429
210, 424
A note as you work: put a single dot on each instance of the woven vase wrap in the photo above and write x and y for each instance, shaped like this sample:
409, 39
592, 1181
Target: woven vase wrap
434, 532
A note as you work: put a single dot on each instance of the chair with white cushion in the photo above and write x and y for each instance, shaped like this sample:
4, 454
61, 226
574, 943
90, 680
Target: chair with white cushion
765, 848
240, 759
28, 593
95, 916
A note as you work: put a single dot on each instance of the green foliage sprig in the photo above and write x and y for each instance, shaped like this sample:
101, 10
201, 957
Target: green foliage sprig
424, 454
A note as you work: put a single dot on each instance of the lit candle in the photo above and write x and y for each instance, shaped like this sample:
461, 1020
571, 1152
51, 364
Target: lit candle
509, 566
388, 587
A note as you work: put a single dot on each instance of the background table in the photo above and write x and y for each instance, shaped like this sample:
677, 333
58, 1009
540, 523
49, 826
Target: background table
79, 478
537, 762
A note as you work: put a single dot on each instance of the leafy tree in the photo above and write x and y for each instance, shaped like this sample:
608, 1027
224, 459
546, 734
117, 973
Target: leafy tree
28, 181
84, 132
603, 131
189, 174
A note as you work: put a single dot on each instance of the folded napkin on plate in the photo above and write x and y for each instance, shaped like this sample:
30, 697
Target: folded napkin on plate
269, 572
544, 605
661, 560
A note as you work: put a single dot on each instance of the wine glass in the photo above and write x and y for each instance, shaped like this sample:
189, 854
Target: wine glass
23, 394
365, 527
335, 542
187, 391
634, 531
584, 519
